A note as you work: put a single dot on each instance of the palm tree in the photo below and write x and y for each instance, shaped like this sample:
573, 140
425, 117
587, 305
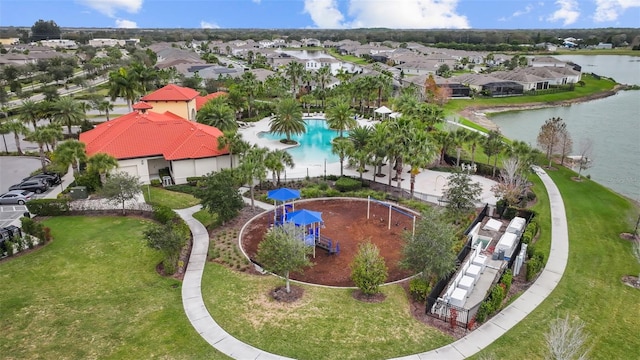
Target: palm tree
418, 153
458, 139
341, 147
4, 131
306, 100
473, 138
444, 139
360, 154
71, 152
142, 75
277, 161
52, 133
218, 114
105, 106
68, 111
251, 87
41, 137
288, 119
323, 75
102, 163
17, 128
232, 140
122, 84
377, 146
340, 116
29, 113
253, 168
294, 71
492, 146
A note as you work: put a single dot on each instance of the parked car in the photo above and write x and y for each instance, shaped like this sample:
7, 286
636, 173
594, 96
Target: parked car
19, 197
50, 178
37, 186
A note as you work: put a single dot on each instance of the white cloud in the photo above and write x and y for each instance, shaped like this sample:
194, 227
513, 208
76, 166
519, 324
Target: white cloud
609, 10
407, 14
568, 12
397, 14
256, 1
126, 24
208, 25
324, 13
527, 9
110, 7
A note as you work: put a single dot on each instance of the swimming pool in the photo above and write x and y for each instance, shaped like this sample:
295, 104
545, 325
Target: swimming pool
315, 144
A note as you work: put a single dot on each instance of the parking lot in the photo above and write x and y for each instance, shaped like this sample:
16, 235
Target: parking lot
13, 170
9, 213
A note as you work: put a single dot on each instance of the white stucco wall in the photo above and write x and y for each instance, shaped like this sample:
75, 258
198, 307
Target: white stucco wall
135, 167
182, 169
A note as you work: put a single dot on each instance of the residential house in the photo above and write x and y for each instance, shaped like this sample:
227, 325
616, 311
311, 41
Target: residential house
604, 46
61, 43
540, 61
146, 141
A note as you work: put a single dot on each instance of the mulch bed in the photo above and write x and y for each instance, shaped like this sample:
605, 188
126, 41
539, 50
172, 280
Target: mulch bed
280, 293
345, 222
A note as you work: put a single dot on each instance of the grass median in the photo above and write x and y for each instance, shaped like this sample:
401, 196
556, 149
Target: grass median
94, 293
173, 199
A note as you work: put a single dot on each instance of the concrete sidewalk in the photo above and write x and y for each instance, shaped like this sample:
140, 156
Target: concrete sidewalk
194, 305
465, 347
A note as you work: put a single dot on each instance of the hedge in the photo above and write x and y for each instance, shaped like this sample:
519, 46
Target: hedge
535, 263
348, 184
48, 207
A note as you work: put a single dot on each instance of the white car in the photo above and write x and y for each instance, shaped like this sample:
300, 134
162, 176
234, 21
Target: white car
19, 197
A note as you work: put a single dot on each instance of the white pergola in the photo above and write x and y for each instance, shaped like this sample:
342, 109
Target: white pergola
382, 110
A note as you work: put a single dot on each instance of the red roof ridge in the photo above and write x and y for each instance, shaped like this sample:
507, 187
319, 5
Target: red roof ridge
171, 92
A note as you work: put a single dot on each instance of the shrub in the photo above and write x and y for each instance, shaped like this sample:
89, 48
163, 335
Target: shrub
368, 269
486, 309
323, 186
28, 225
187, 189
48, 207
419, 289
156, 183
169, 266
332, 193
348, 184
163, 214
510, 212
193, 180
332, 177
89, 179
310, 192
11, 248
507, 279
497, 295
47, 235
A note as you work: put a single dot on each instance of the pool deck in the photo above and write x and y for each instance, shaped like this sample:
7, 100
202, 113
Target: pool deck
428, 182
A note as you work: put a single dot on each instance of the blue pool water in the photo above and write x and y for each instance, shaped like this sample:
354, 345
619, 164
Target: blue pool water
315, 144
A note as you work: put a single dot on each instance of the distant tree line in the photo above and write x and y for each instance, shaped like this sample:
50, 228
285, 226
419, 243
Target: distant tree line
485, 40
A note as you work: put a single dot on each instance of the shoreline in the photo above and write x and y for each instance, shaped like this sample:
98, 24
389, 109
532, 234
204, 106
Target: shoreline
478, 114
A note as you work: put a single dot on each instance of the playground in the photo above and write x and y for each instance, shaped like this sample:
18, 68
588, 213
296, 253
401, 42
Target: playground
345, 223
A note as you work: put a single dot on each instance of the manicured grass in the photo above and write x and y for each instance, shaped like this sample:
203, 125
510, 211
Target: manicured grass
173, 199
590, 288
324, 324
592, 86
207, 219
348, 58
94, 293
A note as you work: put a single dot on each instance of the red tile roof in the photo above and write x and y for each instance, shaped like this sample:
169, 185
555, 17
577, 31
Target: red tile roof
138, 135
201, 100
171, 92
141, 105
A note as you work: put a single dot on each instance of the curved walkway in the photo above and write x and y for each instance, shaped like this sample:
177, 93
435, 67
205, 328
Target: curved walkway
467, 346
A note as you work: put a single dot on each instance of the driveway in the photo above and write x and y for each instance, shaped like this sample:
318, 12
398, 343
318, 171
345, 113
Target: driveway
15, 168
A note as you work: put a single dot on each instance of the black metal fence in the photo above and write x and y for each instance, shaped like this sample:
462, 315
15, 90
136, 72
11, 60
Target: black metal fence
442, 310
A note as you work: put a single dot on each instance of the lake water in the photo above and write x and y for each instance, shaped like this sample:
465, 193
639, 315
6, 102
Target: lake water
612, 123
307, 54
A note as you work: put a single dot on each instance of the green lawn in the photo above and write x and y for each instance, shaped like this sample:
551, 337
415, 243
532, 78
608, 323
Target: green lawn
173, 199
348, 58
590, 288
592, 86
94, 293
325, 324
207, 219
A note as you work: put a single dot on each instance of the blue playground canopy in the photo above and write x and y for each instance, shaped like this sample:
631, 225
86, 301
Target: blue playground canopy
304, 217
283, 194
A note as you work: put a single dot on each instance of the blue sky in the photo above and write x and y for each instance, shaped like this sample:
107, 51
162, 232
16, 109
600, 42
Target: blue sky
278, 14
